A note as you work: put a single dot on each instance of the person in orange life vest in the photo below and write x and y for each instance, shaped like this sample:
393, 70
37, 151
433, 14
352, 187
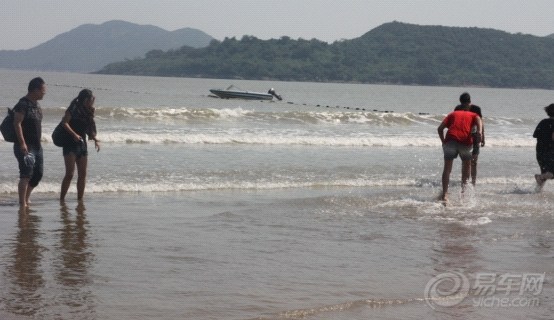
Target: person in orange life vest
458, 140
478, 140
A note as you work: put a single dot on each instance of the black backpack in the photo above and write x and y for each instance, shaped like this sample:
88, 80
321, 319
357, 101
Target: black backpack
7, 128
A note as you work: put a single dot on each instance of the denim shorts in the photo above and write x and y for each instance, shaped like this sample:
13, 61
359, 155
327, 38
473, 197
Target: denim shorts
453, 148
33, 172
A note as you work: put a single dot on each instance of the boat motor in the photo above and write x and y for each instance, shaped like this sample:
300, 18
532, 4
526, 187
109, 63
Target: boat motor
273, 93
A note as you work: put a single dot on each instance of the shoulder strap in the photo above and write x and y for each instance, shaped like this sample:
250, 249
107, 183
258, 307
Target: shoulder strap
26, 103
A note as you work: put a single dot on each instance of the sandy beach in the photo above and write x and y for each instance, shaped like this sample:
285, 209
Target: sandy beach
204, 208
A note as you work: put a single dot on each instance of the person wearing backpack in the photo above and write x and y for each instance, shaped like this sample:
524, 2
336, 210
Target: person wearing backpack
27, 146
79, 122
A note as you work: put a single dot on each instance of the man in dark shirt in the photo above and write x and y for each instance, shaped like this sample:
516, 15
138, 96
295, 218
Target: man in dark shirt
478, 138
27, 147
544, 133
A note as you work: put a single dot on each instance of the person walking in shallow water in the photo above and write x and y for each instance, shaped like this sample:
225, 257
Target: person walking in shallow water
478, 140
458, 140
79, 123
27, 147
544, 133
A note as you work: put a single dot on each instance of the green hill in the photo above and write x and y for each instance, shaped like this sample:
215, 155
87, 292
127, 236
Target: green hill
393, 53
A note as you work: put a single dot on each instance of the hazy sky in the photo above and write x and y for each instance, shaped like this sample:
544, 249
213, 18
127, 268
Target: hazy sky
28, 23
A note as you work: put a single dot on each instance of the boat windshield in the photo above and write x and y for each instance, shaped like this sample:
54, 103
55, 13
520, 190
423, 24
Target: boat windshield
233, 88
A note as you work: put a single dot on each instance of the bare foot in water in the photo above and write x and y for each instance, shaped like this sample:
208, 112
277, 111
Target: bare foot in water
443, 198
540, 181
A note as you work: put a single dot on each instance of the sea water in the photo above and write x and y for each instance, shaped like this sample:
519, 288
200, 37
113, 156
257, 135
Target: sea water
320, 206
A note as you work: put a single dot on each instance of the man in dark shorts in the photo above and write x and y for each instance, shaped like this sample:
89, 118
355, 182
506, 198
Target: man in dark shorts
458, 140
478, 140
27, 147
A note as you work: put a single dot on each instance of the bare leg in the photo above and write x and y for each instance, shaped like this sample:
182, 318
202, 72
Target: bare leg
28, 195
69, 170
474, 169
446, 177
466, 168
81, 176
23, 189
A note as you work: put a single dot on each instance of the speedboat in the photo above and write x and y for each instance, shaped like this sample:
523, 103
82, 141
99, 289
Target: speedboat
233, 92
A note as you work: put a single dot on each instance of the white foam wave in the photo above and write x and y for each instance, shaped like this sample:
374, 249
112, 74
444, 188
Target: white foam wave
271, 139
363, 117
102, 187
163, 114
477, 222
512, 181
174, 186
290, 138
176, 113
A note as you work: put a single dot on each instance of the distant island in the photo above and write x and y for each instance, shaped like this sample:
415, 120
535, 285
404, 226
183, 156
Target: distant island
393, 53
90, 47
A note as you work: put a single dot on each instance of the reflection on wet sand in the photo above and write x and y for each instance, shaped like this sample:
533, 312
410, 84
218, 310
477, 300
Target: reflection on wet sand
454, 258
47, 272
73, 262
455, 250
24, 272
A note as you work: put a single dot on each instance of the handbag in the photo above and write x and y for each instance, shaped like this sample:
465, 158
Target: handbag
61, 137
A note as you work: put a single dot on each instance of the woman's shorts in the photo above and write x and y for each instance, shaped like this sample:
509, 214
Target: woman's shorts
78, 149
452, 148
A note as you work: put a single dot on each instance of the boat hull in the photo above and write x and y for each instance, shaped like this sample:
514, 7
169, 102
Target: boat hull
229, 94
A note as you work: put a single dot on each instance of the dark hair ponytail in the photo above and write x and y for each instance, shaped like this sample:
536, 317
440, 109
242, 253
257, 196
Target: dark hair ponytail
84, 95
87, 114
80, 99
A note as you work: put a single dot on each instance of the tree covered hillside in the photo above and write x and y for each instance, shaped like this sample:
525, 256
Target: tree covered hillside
394, 53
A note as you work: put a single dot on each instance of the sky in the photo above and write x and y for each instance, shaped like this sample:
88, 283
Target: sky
27, 23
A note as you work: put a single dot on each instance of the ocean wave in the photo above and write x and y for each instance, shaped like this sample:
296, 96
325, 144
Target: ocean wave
174, 186
293, 139
268, 138
288, 116
342, 307
308, 117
